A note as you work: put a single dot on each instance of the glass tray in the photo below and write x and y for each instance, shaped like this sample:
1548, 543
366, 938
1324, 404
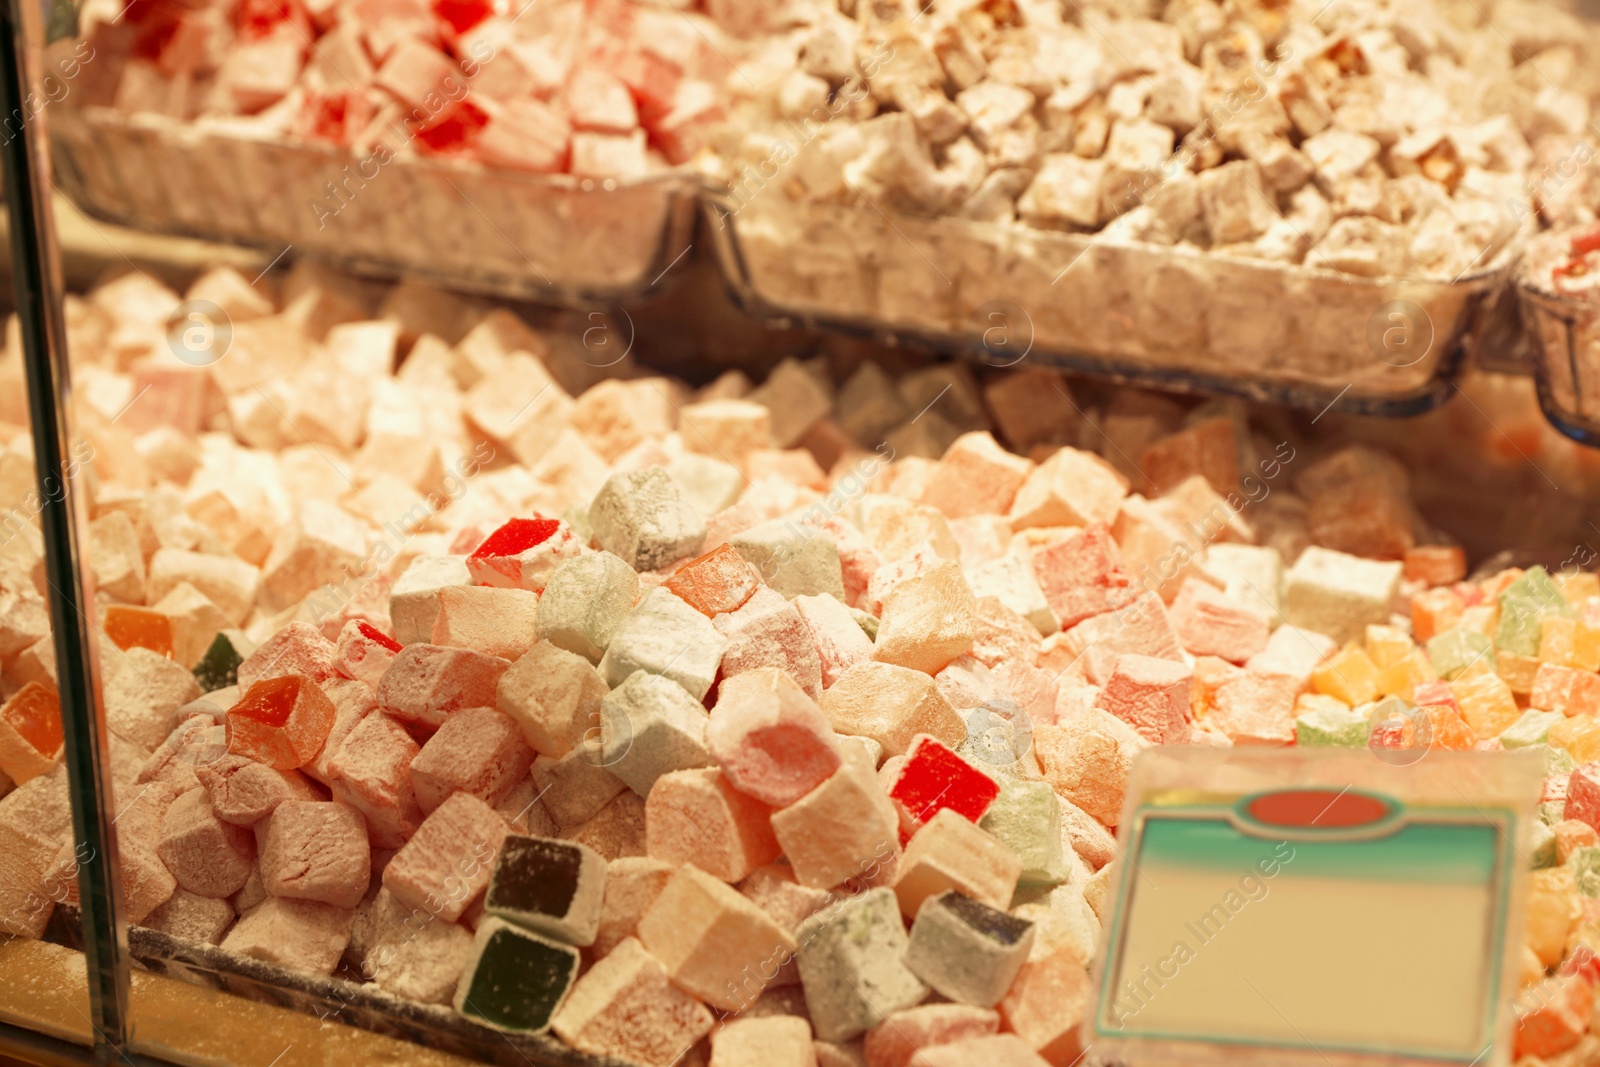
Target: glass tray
1564, 334
357, 1004
1139, 313
551, 238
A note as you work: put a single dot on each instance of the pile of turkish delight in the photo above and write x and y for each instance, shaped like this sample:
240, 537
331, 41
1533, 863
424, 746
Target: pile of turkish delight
1372, 139
789, 719
595, 88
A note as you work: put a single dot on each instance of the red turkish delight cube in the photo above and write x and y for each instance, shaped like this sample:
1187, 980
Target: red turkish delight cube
934, 778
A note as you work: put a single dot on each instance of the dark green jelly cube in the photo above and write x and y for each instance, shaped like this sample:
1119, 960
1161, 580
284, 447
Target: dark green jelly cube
997, 926
516, 980
549, 886
219, 667
535, 875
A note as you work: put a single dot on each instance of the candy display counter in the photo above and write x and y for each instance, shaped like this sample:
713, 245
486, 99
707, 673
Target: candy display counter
393, 667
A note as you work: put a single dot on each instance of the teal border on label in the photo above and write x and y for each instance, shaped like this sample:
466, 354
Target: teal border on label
1502, 820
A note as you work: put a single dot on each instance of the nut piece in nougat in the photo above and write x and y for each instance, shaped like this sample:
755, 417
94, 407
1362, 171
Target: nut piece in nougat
966, 950
852, 965
283, 722
551, 887
643, 518
515, 980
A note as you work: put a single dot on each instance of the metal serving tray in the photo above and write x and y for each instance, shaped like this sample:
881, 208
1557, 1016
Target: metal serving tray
1564, 338
551, 238
353, 1003
1149, 314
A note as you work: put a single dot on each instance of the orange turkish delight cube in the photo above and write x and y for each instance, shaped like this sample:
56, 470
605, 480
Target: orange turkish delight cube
282, 722
1435, 565
130, 627
717, 582
30, 732
1433, 611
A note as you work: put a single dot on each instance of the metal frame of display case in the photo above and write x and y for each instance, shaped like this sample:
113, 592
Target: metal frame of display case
36, 265
95, 927
103, 936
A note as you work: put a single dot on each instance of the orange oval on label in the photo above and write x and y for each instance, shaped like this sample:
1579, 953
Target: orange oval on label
1320, 809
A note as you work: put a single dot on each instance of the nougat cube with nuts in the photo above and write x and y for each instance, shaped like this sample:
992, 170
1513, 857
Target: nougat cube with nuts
1235, 203
1066, 194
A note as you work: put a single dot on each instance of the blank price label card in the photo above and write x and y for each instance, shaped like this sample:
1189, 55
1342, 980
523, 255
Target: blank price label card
1330, 922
